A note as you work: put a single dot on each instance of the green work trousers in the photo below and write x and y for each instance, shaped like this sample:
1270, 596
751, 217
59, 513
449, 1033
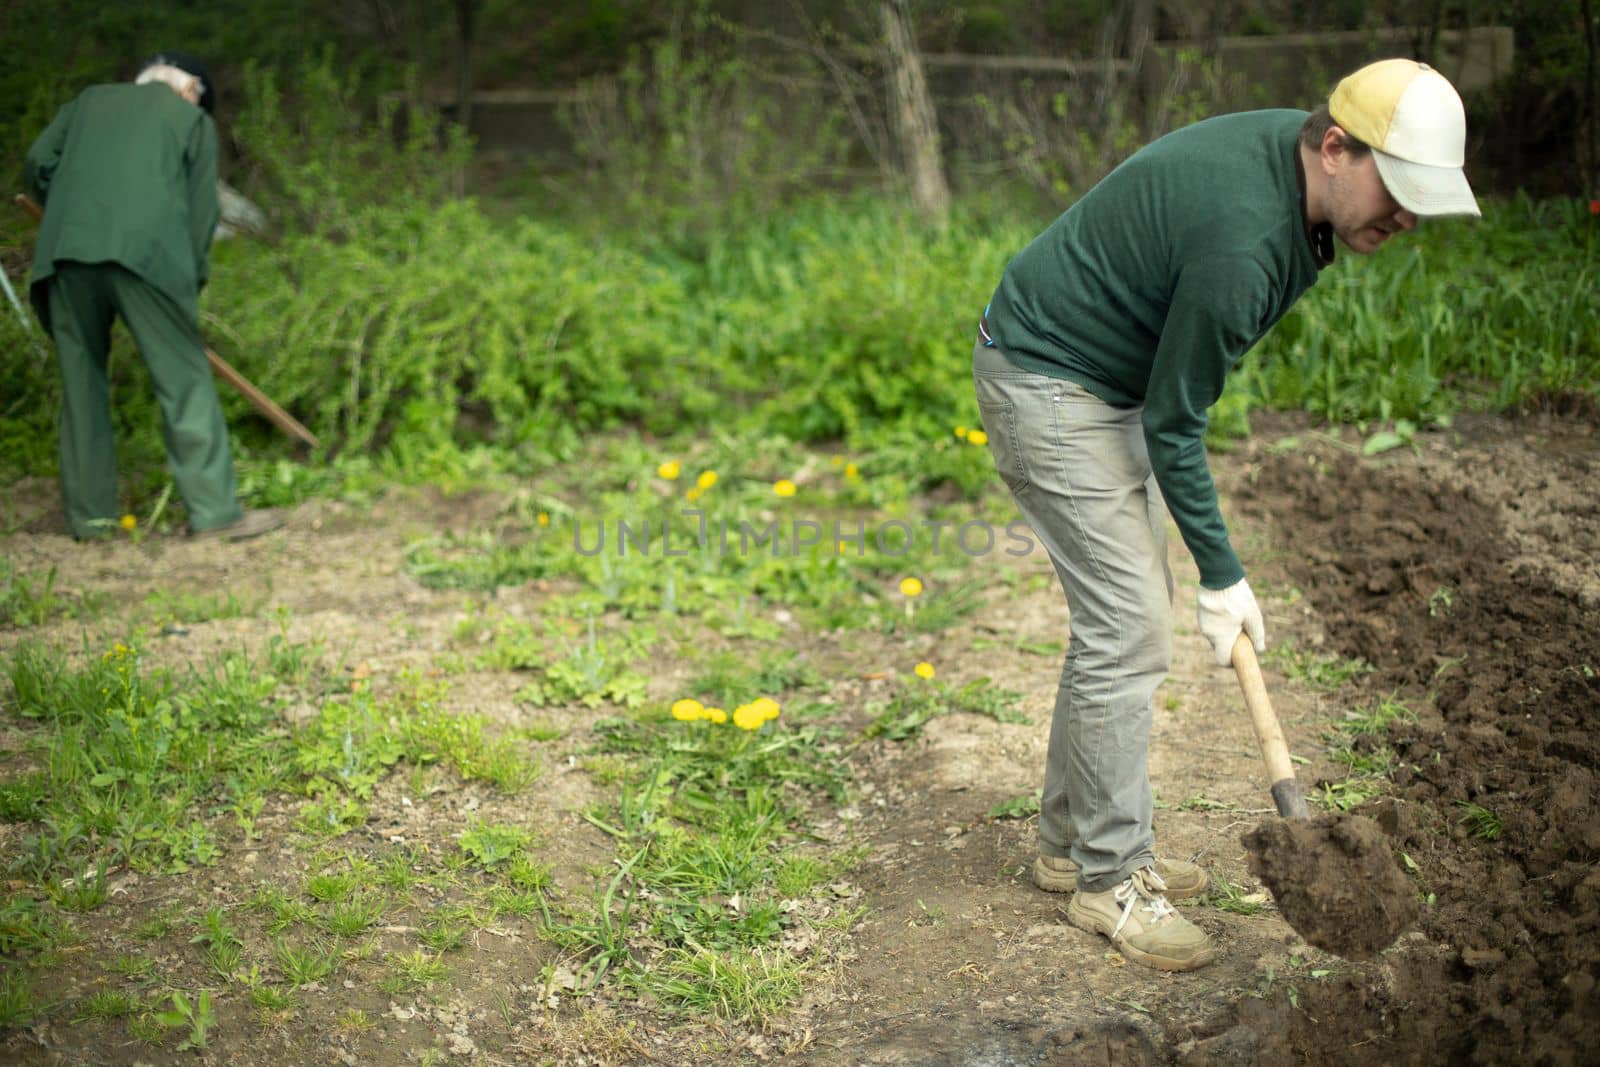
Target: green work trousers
84, 300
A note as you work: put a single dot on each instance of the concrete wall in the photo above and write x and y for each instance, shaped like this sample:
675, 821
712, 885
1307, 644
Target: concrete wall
1299, 70
1293, 70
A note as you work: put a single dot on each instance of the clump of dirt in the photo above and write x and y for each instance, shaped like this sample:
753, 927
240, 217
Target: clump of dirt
1335, 881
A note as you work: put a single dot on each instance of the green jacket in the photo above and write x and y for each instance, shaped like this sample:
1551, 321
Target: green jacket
126, 174
1149, 289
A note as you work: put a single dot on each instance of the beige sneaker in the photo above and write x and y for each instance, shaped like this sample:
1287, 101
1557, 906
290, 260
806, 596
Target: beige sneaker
1142, 924
1183, 879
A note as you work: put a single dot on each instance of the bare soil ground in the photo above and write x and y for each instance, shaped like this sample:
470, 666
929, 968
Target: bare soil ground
1463, 570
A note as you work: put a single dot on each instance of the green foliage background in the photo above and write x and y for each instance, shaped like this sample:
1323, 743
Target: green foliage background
702, 281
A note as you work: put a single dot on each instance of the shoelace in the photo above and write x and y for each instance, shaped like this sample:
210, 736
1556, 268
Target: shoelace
1143, 885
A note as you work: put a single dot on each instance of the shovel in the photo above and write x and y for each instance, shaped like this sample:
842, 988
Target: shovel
1269, 734
1334, 877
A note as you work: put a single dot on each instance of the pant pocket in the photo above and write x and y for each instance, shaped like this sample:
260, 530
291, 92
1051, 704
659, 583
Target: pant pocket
1000, 424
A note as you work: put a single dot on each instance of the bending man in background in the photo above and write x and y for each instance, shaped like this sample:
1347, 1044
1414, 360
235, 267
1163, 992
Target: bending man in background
127, 176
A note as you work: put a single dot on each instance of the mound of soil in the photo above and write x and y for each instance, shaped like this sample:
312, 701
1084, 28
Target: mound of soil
1424, 566
1335, 880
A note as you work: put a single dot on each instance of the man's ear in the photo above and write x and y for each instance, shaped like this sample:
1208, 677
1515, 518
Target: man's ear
1333, 149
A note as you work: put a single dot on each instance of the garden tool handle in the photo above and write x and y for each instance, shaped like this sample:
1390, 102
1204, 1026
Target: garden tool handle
1269, 733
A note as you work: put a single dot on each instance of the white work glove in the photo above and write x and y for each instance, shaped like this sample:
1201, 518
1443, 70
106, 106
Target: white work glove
1224, 612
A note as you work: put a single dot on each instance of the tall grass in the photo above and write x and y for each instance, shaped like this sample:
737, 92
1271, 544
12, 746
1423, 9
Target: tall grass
1501, 314
844, 319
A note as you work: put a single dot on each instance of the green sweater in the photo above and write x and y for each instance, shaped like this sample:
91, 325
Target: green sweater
1150, 288
127, 174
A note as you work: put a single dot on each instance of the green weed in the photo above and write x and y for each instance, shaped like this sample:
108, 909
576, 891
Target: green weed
26, 926
1480, 821
197, 1016
105, 1004
305, 962
285, 911
135, 968
223, 947
1023, 806
1314, 670
85, 891
166, 607
17, 1006
919, 701
526, 873
493, 844
22, 797
749, 984
1226, 896
26, 600
602, 936
416, 970
442, 932
349, 917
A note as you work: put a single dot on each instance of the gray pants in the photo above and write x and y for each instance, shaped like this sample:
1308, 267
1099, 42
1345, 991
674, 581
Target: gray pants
1079, 472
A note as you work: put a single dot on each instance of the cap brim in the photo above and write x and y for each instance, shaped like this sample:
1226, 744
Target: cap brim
1425, 190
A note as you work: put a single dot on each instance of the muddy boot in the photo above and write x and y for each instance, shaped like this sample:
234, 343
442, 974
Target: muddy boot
1142, 924
250, 524
1183, 879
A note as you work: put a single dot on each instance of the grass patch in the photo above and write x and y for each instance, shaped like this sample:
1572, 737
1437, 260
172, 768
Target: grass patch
1226, 896
1306, 667
1357, 743
918, 701
1479, 820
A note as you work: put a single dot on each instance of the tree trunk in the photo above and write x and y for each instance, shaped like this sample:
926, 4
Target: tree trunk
915, 122
466, 33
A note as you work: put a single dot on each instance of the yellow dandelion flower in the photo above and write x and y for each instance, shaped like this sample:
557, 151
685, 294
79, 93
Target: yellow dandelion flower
783, 487
924, 670
837, 461
129, 523
852, 471
669, 470
911, 586
693, 494
543, 518
748, 717
766, 707
716, 715
687, 710
706, 480
978, 437
961, 432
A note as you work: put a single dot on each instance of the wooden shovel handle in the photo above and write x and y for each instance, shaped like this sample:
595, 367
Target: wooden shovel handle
1269, 733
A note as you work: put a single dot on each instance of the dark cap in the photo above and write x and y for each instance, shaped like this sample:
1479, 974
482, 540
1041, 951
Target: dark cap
189, 65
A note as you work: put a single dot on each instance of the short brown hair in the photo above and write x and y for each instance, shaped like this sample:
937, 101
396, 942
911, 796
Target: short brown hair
1316, 126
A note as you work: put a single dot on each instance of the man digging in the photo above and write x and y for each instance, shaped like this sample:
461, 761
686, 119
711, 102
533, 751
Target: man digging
1104, 346
127, 175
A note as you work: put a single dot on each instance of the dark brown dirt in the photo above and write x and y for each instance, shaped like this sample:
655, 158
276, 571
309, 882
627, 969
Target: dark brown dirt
1430, 566
1335, 880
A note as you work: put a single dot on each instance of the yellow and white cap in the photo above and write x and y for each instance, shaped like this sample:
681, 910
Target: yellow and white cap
1412, 118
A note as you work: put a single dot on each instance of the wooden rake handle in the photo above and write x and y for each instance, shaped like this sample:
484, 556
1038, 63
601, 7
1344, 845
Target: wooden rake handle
1269, 733
224, 370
